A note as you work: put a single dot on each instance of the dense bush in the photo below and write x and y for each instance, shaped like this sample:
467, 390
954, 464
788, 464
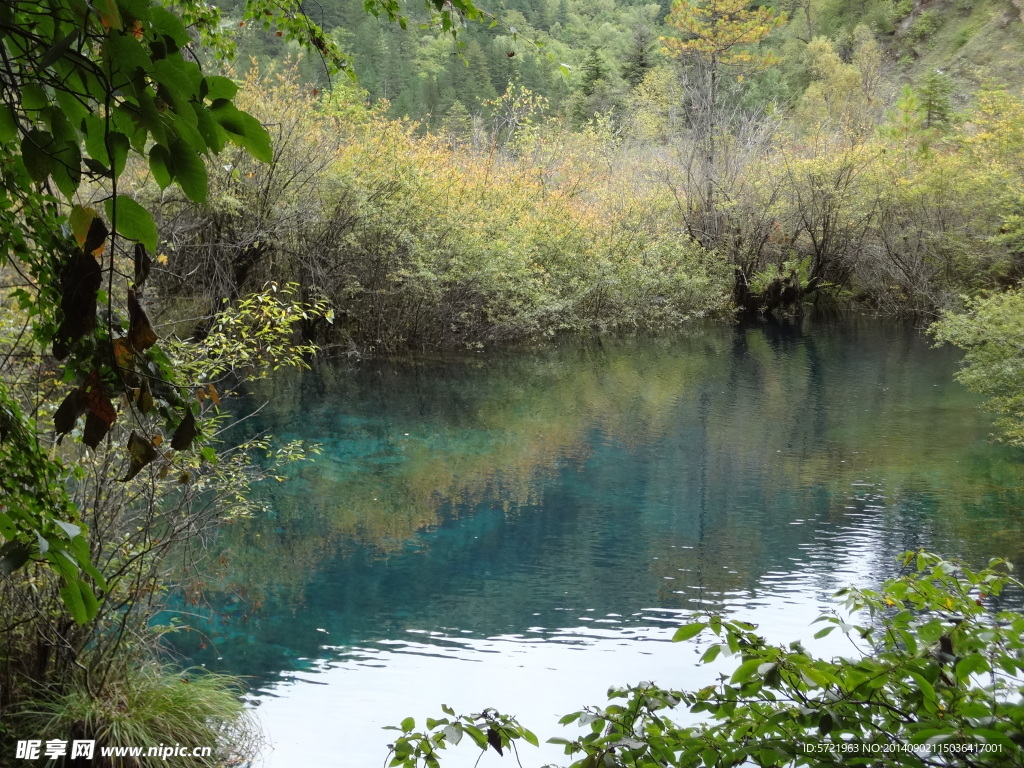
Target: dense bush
421, 243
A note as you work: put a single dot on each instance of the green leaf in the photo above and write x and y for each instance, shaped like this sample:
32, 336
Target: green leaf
66, 169
477, 735
80, 549
33, 97
189, 171
117, 151
825, 724
8, 124
815, 677
132, 221
173, 75
243, 129
58, 49
218, 87
126, 56
169, 24
208, 129
89, 599
408, 724
70, 529
160, 165
971, 664
71, 595
711, 654
925, 686
688, 631
37, 154
745, 671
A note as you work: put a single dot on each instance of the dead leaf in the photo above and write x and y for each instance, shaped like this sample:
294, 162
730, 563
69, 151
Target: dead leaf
96, 239
123, 357
185, 433
140, 333
96, 429
79, 281
143, 263
96, 400
140, 452
67, 414
145, 398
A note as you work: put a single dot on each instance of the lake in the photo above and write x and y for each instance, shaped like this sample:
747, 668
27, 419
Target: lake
522, 529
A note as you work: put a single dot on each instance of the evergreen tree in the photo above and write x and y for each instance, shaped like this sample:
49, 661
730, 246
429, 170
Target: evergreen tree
458, 123
594, 69
479, 87
639, 58
934, 95
599, 92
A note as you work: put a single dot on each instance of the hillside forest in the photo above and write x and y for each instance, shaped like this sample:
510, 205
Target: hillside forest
195, 196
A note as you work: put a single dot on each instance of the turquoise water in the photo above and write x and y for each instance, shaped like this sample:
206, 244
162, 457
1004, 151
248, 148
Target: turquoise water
523, 529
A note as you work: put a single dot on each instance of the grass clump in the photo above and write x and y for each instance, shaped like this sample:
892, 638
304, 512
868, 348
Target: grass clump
147, 706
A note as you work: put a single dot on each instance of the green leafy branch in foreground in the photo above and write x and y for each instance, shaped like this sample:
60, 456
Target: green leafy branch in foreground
935, 680
488, 730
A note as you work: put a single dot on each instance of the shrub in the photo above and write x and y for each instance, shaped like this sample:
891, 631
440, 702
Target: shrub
924, 26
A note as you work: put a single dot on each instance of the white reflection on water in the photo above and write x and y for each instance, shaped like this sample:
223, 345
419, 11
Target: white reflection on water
332, 715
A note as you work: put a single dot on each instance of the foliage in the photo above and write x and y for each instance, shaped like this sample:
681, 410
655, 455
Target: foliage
934, 679
141, 507
151, 706
935, 91
83, 87
925, 25
720, 30
488, 730
417, 246
991, 332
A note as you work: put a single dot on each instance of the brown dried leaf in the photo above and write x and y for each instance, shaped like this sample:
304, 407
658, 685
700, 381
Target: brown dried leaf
123, 356
140, 333
140, 452
96, 401
185, 433
67, 414
79, 281
96, 428
97, 237
145, 398
143, 263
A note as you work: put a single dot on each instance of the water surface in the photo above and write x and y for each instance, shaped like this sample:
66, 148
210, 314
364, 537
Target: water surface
523, 529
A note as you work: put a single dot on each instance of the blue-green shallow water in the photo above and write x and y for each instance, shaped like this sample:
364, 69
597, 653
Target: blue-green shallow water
523, 529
